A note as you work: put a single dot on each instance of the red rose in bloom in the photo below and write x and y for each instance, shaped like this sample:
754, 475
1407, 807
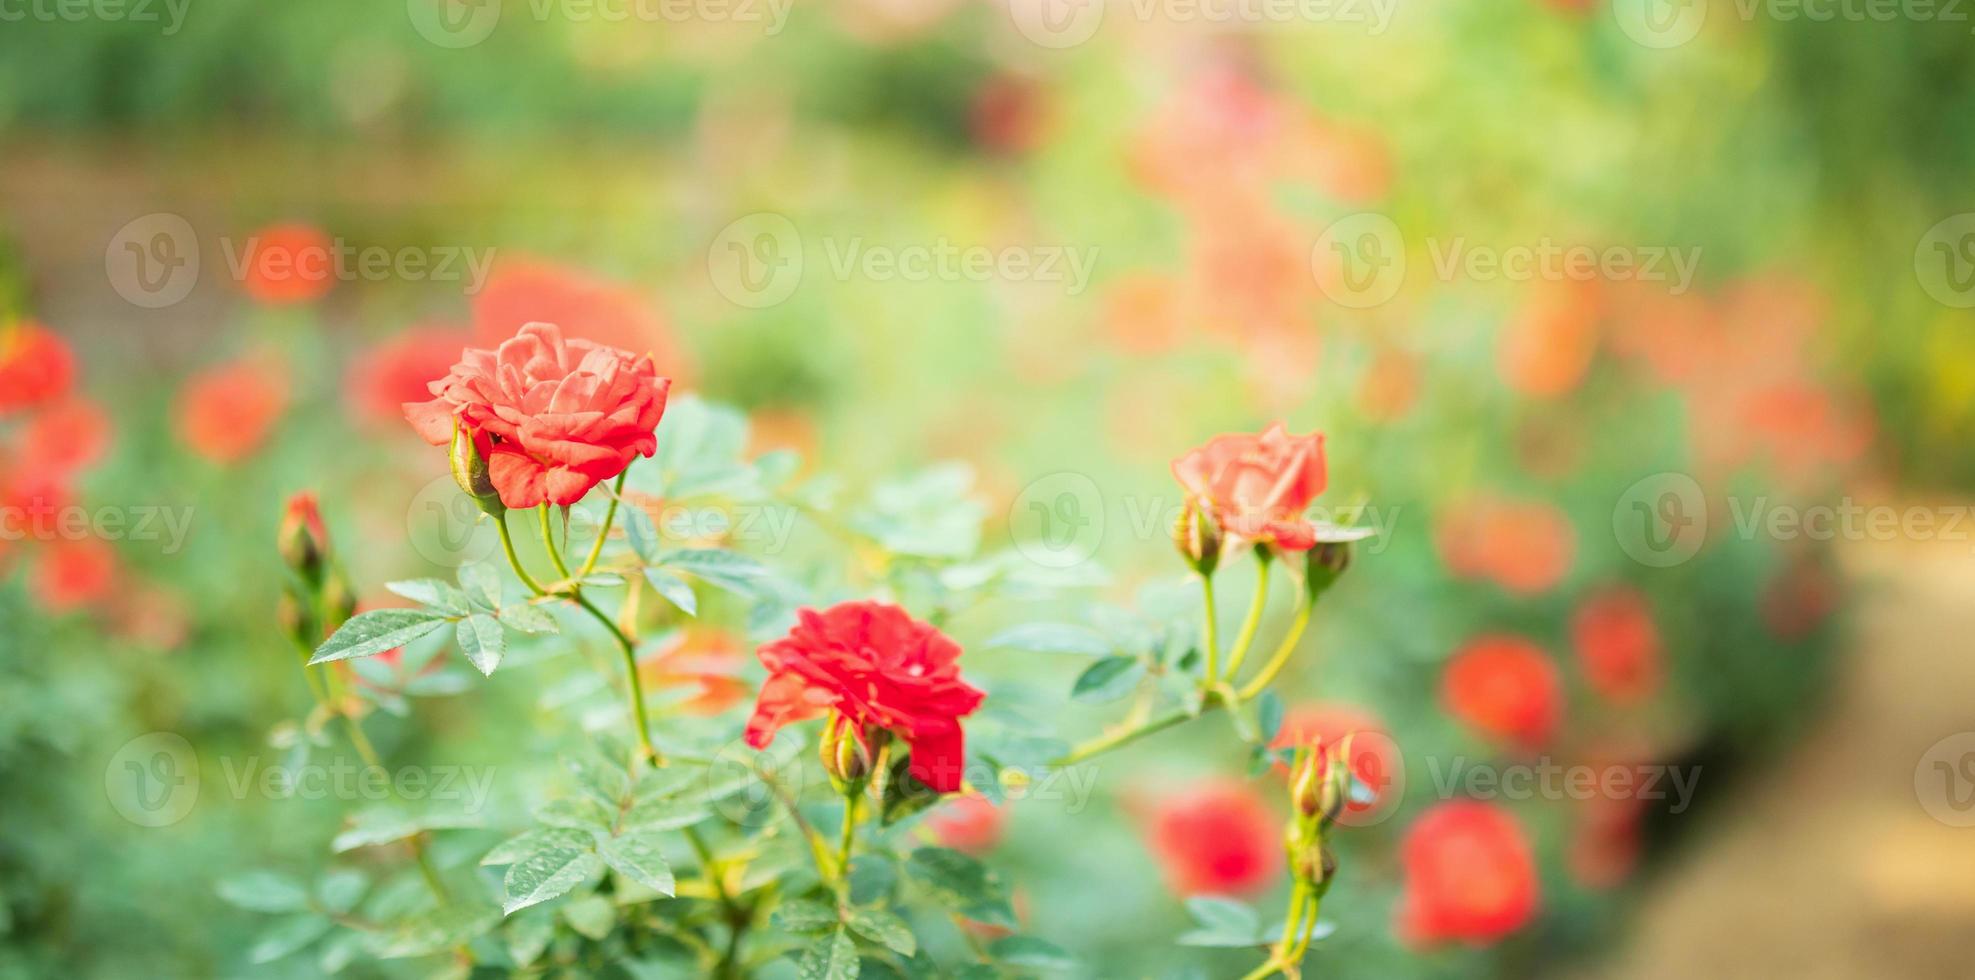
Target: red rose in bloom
1258, 485
1218, 838
399, 369
553, 417
1617, 645
879, 668
73, 573
1469, 875
35, 366
289, 263
521, 292
226, 412
1507, 688
967, 823
1374, 758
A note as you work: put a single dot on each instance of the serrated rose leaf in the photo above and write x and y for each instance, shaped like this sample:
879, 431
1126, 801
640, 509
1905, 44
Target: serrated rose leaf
483, 642
638, 856
547, 874
374, 632
885, 929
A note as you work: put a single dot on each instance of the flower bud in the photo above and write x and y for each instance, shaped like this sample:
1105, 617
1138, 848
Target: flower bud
1324, 564
844, 754
1306, 791
1198, 537
470, 472
303, 540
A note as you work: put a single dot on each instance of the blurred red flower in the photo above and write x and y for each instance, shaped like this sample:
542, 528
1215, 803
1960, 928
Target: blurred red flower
1216, 838
288, 263
552, 417
400, 369
36, 366
705, 657
64, 437
73, 572
1505, 687
225, 412
1546, 347
969, 824
1469, 875
524, 291
1258, 485
880, 668
1526, 547
1618, 645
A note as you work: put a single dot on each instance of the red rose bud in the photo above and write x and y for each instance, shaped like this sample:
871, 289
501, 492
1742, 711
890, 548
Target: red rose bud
303, 540
1325, 564
1198, 538
471, 473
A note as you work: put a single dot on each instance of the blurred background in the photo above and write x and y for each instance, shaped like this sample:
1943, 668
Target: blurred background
1641, 331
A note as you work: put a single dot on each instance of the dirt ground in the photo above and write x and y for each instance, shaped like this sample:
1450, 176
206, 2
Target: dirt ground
1844, 861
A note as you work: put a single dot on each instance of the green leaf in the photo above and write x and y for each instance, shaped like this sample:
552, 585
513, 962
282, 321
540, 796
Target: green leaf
339, 890
676, 590
432, 592
483, 642
605, 781
263, 891
639, 532
904, 795
962, 884
528, 937
885, 929
482, 584
1051, 638
639, 857
1268, 715
287, 936
729, 570
546, 874
521, 845
580, 812
1036, 954
834, 958
438, 929
1223, 922
806, 915
528, 618
665, 814
376, 631
386, 825
591, 916
1108, 679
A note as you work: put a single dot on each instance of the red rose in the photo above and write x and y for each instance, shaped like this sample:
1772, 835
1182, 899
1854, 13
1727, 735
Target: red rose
878, 667
1218, 838
552, 417
1468, 875
1617, 645
65, 437
1258, 485
397, 370
35, 366
1524, 546
1507, 688
523, 291
74, 573
226, 412
967, 823
289, 263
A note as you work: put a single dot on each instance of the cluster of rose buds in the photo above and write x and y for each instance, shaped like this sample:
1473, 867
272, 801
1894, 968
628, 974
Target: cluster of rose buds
1318, 791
